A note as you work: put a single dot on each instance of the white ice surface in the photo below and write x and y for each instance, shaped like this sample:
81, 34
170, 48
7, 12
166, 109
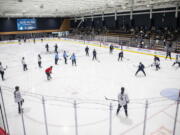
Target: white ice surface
87, 83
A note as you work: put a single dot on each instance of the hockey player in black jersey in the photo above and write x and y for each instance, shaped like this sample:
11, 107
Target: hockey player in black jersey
94, 55
87, 51
47, 48
140, 68
111, 48
56, 48
168, 53
120, 55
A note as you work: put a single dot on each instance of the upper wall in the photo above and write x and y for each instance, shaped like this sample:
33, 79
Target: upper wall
160, 19
9, 24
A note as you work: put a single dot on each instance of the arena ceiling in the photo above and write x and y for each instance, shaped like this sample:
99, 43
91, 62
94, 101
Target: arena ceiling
73, 8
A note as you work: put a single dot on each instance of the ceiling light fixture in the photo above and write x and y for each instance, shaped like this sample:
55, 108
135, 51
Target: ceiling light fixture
123, 7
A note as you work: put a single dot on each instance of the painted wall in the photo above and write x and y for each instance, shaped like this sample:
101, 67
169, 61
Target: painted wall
159, 20
8, 25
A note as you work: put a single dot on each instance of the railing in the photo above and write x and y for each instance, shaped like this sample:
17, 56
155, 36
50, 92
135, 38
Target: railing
131, 42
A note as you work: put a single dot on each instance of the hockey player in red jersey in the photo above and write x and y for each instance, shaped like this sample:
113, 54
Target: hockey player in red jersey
48, 72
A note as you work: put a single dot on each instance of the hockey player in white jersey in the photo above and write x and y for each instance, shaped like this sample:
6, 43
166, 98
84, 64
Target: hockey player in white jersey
2, 69
18, 99
24, 64
156, 62
123, 101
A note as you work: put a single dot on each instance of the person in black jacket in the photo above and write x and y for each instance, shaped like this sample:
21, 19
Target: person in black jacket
111, 48
47, 48
120, 56
94, 55
87, 51
168, 51
140, 68
56, 48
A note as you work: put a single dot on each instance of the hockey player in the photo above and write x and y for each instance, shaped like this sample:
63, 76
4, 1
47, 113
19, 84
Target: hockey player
2, 69
73, 59
19, 40
18, 99
140, 68
56, 48
94, 55
34, 40
56, 58
39, 61
177, 61
111, 48
156, 62
87, 51
48, 72
123, 101
156, 58
65, 57
47, 48
168, 52
120, 56
24, 64
24, 40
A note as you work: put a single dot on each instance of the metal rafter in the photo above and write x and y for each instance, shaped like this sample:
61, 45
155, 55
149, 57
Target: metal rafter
71, 8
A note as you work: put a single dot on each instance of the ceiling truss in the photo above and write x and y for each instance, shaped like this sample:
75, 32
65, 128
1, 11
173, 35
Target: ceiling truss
76, 8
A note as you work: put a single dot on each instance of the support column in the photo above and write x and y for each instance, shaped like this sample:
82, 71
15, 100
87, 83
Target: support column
176, 16
2, 117
5, 115
151, 19
145, 118
75, 117
45, 116
22, 117
110, 119
176, 115
131, 18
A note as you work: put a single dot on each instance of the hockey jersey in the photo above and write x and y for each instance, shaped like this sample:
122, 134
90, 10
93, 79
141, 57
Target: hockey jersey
123, 99
48, 70
2, 68
17, 96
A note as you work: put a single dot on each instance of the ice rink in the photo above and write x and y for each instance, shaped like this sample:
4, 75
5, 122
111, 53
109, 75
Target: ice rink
88, 84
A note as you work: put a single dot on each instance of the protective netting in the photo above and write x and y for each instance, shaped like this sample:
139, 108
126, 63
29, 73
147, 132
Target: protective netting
66, 115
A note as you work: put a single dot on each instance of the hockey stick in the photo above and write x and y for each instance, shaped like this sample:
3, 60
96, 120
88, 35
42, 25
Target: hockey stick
98, 60
110, 99
135, 65
6, 67
126, 58
150, 66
